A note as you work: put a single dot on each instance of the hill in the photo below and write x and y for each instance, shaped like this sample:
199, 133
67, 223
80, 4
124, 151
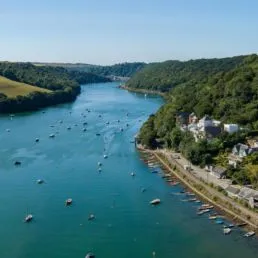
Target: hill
167, 75
229, 95
119, 70
57, 85
12, 89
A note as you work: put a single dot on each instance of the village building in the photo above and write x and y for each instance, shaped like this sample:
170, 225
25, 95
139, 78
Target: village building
231, 128
182, 118
193, 119
218, 172
253, 202
232, 191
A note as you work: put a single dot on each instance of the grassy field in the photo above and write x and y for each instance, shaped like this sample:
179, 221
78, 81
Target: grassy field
12, 88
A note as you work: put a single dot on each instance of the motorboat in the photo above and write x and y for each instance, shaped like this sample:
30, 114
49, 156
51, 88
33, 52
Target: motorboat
28, 218
91, 217
51, 135
37, 140
40, 181
99, 164
203, 211
249, 234
90, 255
219, 221
105, 156
68, 201
97, 134
226, 231
155, 201
132, 174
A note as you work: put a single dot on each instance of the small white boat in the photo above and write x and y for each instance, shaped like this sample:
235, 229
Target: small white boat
155, 201
84, 129
90, 255
203, 211
91, 217
51, 135
99, 164
226, 231
132, 174
37, 140
28, 218
69, 201
105, 156
249, 234
99, 169
40, 181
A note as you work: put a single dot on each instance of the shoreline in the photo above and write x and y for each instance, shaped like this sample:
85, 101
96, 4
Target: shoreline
143, 91
205, 192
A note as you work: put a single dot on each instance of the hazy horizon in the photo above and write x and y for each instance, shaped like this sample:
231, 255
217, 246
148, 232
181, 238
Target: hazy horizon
109, 32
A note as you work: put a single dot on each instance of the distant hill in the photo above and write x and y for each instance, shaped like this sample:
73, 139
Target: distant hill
51, 85
166, 75
119, 70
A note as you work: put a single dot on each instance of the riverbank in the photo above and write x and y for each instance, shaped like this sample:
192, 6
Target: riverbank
143, 91
232, 209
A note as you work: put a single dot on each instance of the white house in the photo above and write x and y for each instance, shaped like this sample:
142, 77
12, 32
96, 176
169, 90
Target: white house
231, 128
204, 122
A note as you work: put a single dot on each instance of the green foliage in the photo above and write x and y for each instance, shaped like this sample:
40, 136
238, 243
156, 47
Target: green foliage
167, 75
63, 84
147, 134
122, 70
226, 89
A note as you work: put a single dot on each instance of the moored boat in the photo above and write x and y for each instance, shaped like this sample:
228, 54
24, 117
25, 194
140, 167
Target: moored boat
155, 201
226, 231
203, 211
28, 218
40, 181
249, 234
68, 201
90, 255
91, 217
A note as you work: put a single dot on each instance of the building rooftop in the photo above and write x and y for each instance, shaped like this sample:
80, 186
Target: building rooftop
232, 189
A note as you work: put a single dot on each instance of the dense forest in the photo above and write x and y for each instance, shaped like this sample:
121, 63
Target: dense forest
64, 85
167, 75
120, 70
226, 89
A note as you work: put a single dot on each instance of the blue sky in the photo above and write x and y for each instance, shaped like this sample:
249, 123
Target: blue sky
112, 31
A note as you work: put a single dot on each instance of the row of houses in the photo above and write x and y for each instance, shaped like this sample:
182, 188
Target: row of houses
204, 128
244, 193
208, 128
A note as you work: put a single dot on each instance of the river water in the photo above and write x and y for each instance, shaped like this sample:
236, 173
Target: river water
125, 224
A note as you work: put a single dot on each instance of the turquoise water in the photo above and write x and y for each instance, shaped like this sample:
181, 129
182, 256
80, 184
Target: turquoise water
125, 225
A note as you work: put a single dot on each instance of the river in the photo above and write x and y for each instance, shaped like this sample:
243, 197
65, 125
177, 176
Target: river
125, 224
